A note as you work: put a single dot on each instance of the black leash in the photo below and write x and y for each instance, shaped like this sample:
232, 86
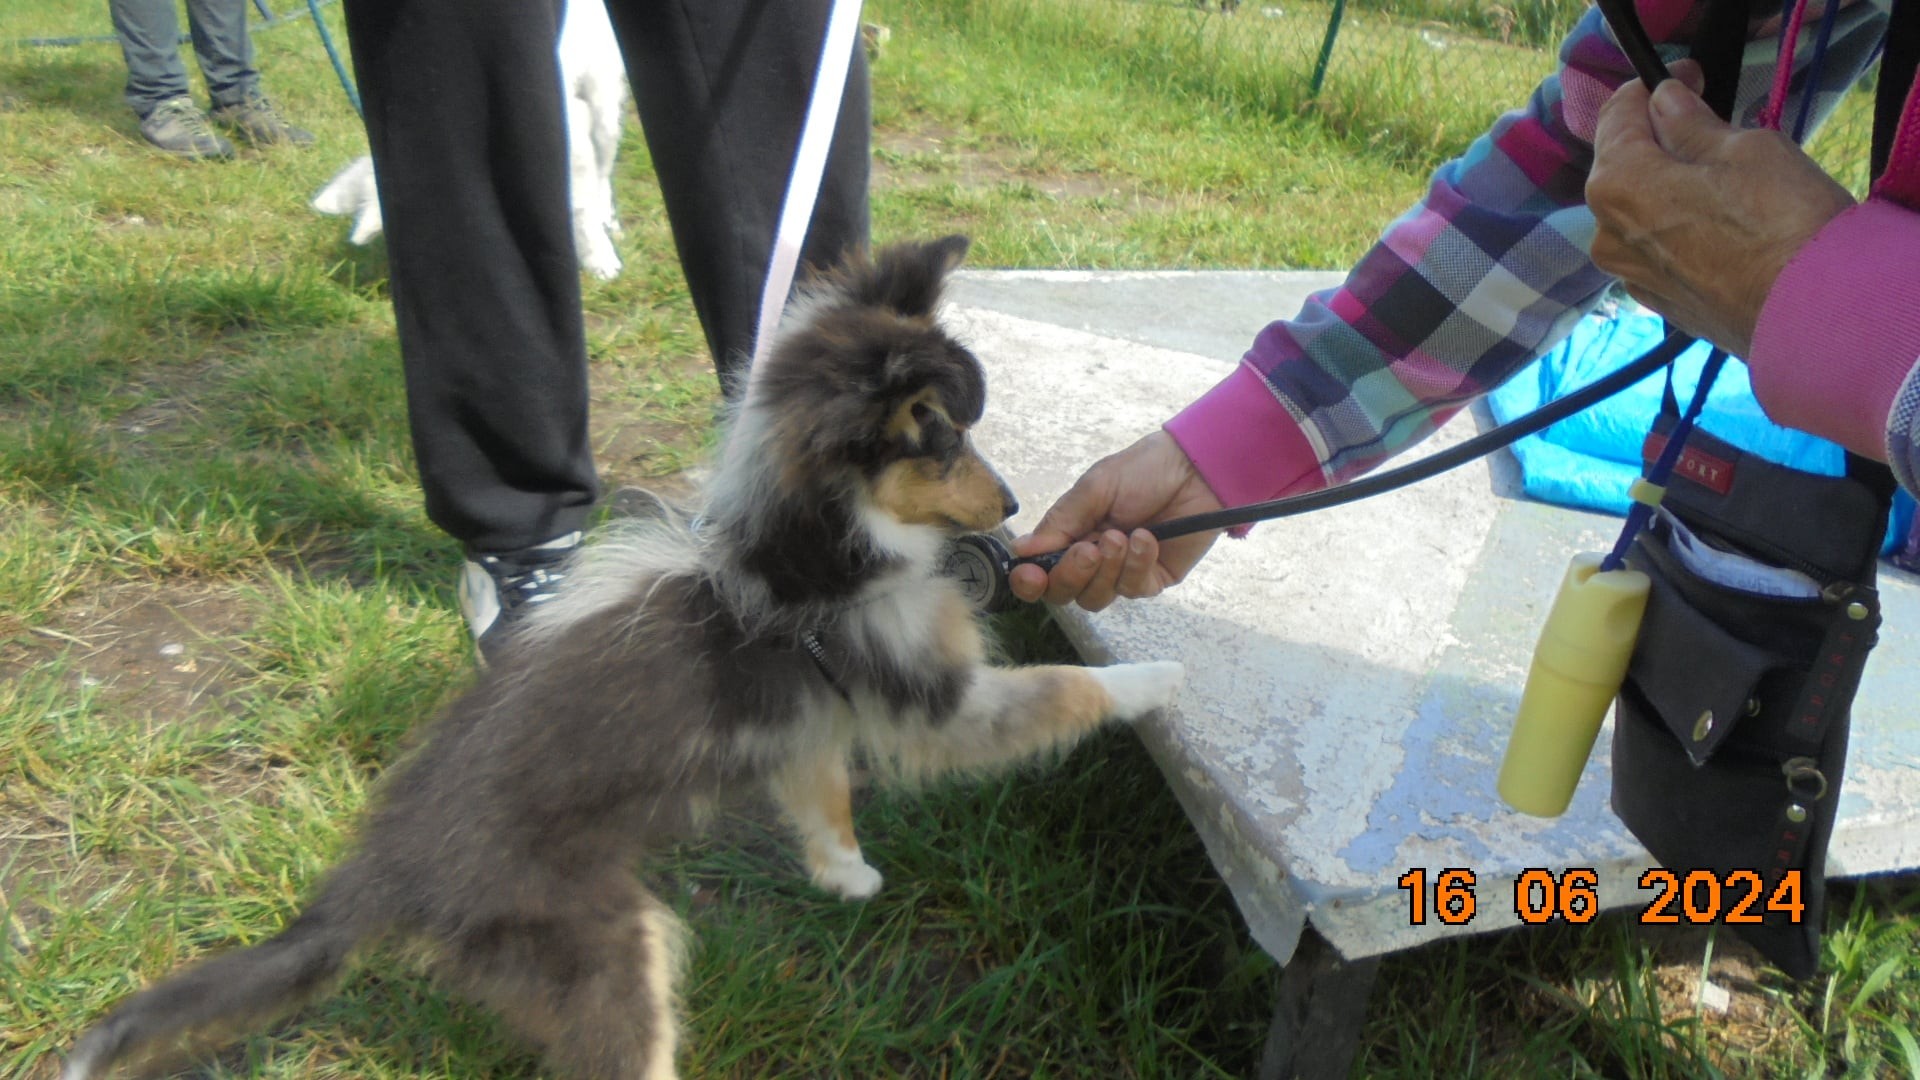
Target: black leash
1633, 39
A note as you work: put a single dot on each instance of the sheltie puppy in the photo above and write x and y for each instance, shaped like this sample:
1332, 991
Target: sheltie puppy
798, 625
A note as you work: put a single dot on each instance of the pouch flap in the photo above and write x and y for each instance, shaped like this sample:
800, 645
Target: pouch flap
1700, 679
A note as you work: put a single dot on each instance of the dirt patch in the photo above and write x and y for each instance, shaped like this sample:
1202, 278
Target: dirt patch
151, 649
156, 416
649, 446
154, 653
933, 156
35, 849
1733, 1001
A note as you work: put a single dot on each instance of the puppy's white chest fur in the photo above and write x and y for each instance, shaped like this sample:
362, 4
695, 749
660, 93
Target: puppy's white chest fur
912, 622
914, 615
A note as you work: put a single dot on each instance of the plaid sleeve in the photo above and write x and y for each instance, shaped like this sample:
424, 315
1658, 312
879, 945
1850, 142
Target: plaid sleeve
1490, 270
1486, 273
1903, 431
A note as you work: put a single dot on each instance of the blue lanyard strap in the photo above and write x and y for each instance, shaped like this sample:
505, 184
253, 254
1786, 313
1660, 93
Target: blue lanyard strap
1653, 484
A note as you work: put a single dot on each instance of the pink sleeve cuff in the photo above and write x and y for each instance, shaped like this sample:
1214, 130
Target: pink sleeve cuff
1841, 328
1246, 445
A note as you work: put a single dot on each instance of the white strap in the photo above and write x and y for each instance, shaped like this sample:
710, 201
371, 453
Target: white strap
809, 164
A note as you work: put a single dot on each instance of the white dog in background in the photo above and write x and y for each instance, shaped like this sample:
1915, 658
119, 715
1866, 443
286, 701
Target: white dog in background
595, 81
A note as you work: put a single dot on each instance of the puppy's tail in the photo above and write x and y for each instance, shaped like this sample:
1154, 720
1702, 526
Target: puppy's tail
225, 997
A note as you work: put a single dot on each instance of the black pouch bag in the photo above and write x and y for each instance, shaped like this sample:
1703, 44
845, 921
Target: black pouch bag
1730, 732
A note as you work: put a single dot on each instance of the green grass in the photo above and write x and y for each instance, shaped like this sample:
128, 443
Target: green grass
222, 610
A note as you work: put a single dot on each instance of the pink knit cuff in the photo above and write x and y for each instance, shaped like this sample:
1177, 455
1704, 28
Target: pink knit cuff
1841, 328
1245, 444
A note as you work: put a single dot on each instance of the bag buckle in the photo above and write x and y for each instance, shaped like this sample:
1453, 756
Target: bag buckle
1805, 782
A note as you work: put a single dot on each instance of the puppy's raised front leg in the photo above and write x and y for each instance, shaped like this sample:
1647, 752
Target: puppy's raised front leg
816, 796
591, 205
1013, 713
608, 106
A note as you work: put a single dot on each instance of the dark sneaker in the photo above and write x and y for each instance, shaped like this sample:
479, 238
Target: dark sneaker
177, 126
496, 590
258, 123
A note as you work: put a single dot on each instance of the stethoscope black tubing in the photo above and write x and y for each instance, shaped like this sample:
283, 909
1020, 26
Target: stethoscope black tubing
1480, 445
1634, 42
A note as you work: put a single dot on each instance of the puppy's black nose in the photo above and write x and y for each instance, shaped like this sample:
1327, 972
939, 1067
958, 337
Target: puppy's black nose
1009, 505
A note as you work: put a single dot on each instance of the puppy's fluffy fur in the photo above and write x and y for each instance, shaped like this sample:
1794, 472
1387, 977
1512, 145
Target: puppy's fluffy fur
671, 673
595, 80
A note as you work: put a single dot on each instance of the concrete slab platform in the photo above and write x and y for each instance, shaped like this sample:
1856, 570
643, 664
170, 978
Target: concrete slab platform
1352, 674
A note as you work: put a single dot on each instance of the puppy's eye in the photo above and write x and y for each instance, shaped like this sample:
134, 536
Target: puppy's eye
938, 439
922, 412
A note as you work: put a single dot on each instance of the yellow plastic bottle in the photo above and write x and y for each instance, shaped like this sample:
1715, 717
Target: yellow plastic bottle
1577, 669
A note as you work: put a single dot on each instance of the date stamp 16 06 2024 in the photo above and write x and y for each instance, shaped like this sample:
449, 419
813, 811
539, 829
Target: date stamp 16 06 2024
1681, 897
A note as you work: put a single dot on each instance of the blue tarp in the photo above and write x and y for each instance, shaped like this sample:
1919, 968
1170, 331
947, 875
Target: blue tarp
1590, 459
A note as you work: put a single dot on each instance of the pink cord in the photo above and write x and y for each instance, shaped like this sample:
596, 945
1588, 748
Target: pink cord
1783, 73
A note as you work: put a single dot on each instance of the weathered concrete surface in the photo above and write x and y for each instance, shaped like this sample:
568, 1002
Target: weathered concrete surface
1352, 674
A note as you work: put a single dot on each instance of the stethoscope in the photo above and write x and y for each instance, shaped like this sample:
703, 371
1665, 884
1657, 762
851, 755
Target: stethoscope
980, 563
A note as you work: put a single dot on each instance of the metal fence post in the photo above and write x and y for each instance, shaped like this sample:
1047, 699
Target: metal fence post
1326, 48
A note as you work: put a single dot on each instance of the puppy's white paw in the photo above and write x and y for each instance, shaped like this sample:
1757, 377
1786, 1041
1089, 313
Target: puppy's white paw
600, 260
849, 878
367, 224
351, 189
1139, 689
594, 245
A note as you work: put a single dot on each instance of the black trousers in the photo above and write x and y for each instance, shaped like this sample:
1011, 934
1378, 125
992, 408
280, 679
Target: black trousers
467, 128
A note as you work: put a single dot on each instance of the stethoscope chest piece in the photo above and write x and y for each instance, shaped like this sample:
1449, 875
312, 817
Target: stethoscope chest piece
979, 564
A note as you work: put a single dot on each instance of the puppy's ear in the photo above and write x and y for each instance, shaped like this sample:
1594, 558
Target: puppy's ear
908, 277
948, 252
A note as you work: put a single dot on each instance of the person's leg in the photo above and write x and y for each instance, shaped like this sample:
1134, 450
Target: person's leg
224, 48
225, 51
464, 119
149, 33
157, 90
722, 88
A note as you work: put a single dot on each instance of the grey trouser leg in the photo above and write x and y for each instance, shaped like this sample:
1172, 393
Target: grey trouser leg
149, 32
225, 50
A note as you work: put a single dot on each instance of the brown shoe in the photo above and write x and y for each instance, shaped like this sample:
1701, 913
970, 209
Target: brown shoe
258, 123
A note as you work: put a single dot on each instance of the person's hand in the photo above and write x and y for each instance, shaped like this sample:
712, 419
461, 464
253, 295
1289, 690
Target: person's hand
1148, 482
1696, 217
